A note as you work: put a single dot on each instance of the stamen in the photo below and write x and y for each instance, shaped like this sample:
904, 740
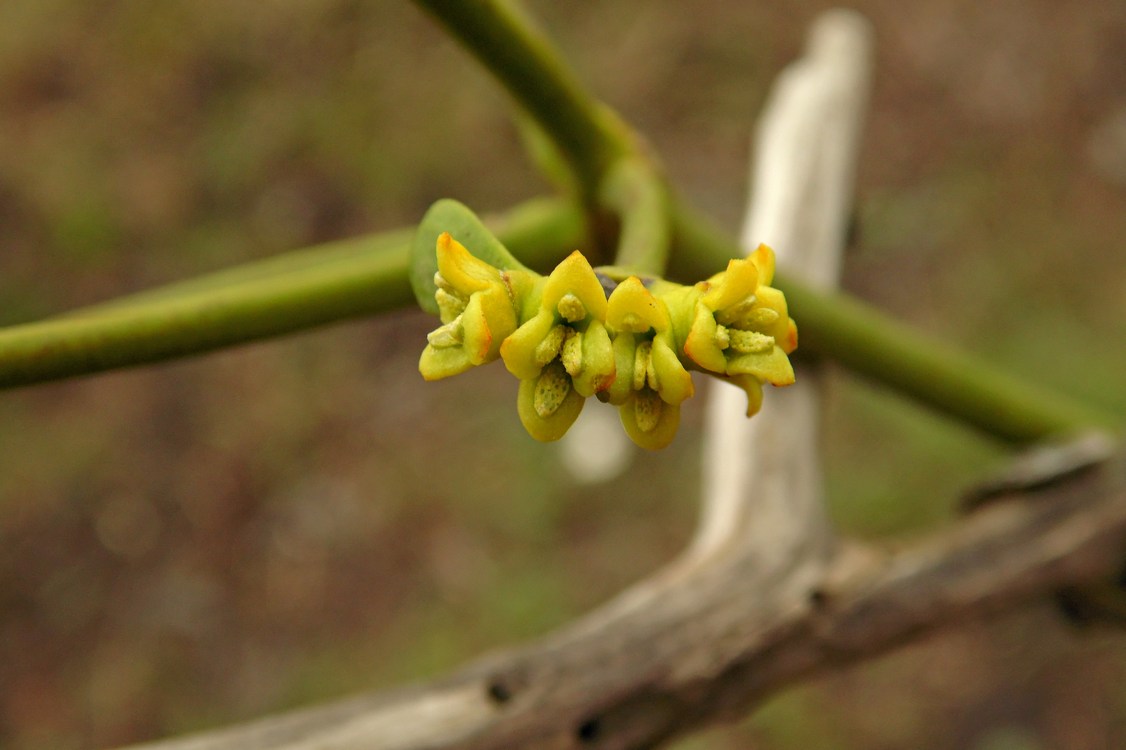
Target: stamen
750, 342
441, 283
641, 364
552, 388
572, 354
633, 323
722, 337
548, 349
647, 407
761, 317
729, 315
451, 334
571, 308
651, 372
449, 305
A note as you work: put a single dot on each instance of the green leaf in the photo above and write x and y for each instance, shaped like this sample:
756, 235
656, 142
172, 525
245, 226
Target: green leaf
463, 225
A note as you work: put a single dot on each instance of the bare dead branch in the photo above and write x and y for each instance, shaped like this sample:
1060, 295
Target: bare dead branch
725, 636
762, 481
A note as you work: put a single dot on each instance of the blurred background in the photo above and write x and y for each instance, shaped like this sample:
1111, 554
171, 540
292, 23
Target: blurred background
203, 542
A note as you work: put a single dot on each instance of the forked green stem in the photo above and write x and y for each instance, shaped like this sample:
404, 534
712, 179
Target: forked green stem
639, 197
281, 295
523, 59
369, 275
614, 172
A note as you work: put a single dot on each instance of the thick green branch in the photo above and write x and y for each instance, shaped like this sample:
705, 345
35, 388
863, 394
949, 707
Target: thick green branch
369, 274
640, 198
522, 58
288, 293
870, 343
615, 173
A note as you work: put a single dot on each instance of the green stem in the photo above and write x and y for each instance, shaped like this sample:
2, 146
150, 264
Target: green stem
526, 63
317, 257
369, 275
931, 370
872, 344
281, 295
616, 175
634, 191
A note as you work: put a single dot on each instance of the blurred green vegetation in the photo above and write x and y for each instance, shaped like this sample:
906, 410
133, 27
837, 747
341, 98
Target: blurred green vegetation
201, 542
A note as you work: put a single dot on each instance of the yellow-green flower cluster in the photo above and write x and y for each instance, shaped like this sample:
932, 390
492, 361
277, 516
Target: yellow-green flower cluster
566, 340
741, 328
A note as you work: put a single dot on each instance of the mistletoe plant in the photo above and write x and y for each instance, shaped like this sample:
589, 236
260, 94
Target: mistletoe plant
653, 293
581, 331
624, 333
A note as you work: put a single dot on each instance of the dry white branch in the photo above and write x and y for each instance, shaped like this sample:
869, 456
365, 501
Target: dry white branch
761, 476
725, 637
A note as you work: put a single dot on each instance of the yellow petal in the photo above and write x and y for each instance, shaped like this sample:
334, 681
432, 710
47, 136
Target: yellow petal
633, 309
790, 342
701, 346
574, 276
461, 269
674, 383
752, 386
519, 350
437, 363
625, 351
763, 258
598, 367
658, 421
478, 337
732, 286
558, 421
774, 366
681, 303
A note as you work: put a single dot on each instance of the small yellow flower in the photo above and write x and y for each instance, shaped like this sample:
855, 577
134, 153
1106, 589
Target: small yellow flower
477, 306
547, 404
562, 352
566, 341
651, 382
741, 328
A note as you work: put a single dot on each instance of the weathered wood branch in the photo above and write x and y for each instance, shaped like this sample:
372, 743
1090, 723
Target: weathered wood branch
762, 482
766, 595
715, 639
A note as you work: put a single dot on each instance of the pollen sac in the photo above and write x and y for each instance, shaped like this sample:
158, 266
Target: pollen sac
451, 334
552, 388
750, 342
650, 421
642, 364
571, 308
572, 353
450, 304
549, 348
548, 404
647, 410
